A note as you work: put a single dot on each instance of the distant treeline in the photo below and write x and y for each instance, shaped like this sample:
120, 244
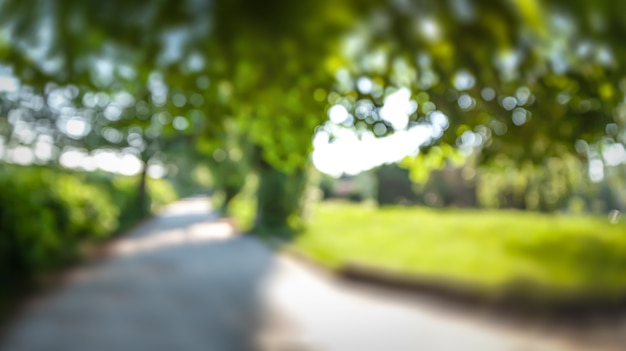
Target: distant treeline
468, 187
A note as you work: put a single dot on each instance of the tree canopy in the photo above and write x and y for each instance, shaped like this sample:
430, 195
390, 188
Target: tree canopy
515, 81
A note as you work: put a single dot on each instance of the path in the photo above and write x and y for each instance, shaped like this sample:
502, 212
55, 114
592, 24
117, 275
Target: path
183, 282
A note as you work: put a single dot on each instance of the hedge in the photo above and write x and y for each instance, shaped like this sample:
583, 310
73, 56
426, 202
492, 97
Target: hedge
45, 215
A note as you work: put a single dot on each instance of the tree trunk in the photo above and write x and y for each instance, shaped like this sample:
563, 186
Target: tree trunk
279, 197
143, 202
229, 194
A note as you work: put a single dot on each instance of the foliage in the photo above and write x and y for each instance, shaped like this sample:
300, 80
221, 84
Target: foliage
279, 200
243, 205
229, 164
551, 256
357, 188
46, 215
546, 188
161, 193
123, 193
246, 78
190, 177
44, 218
446, 187
450, 187
523, 79
394, 186
512, 72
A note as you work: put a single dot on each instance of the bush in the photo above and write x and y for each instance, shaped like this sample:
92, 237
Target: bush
44, 217
160, 192
394, 186
123, 192
242, 207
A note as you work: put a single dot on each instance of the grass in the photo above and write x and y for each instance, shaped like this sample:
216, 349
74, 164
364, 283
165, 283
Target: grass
491, 251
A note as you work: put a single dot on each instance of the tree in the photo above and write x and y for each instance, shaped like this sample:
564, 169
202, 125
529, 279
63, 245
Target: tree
516, 80
519, 80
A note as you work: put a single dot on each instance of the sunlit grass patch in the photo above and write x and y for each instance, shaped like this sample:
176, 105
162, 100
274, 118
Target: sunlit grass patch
489, 250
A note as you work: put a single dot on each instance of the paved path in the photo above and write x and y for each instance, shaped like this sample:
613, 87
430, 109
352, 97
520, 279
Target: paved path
183, 282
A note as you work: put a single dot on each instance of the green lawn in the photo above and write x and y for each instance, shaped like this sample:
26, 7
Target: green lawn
490, 251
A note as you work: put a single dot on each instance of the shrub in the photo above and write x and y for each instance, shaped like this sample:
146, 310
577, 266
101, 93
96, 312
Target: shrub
44, 217
123, 192
160, 192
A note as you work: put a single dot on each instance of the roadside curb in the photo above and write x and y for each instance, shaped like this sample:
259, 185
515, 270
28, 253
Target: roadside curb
518, 298
387, 279
512, 300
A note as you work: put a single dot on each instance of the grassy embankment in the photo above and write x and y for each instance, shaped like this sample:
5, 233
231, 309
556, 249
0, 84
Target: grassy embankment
537, 256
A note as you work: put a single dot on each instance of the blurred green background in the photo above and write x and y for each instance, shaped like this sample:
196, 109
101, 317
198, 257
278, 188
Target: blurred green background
355, 130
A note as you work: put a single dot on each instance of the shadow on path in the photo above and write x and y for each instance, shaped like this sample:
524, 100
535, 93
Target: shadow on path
179, 282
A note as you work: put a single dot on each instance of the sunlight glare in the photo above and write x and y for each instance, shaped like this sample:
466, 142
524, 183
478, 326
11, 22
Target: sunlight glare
337, 114
22, 155
77, 127
430, 29
614, 154
397, 108
347, 154
8, 84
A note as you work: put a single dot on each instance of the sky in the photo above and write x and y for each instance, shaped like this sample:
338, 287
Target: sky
349, 154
